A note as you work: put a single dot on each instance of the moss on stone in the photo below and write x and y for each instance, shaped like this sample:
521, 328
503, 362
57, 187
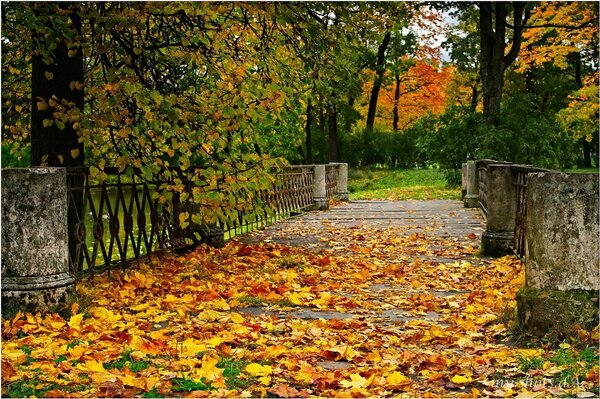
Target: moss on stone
556, 313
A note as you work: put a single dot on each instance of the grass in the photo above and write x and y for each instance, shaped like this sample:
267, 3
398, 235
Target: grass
399, 184
575, 364
582, 170
126, 360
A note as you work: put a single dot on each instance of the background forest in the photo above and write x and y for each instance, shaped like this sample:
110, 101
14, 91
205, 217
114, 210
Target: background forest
236, 88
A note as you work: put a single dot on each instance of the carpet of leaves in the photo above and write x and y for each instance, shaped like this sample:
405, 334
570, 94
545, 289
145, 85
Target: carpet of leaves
181, 326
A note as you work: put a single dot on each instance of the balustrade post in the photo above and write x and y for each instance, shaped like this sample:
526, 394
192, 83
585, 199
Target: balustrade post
501, 210
342, 181
561, 258
463, 190
35, 244
319, 187
471, 198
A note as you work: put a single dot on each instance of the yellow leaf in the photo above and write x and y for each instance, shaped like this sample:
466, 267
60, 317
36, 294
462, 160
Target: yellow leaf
151, 382
42, 105
75, 321
237, 318
356, 381
265, 380
133, 382
74, 153
345, 351
209, 369
294, 298
397, 378
49, 75
94, 366
190, 348
214, 342
77, 352
461, 379
255, 369
100, 378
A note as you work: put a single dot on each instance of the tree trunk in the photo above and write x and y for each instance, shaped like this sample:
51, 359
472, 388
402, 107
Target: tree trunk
51, 145
333, 133
474, 96
587, 153
396, 104
587, 147
308, 132
493, 58
380, 69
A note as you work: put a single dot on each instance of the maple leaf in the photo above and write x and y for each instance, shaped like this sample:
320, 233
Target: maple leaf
356, 381
397, 379
255, 369
208, 369
461, 379
75, 321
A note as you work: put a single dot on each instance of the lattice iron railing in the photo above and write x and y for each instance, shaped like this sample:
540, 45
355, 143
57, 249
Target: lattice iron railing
121, 221
331, 179
521, 175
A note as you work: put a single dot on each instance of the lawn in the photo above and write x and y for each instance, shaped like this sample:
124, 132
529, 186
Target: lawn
399, 184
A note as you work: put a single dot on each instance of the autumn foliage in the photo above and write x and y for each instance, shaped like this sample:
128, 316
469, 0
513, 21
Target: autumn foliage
384, 321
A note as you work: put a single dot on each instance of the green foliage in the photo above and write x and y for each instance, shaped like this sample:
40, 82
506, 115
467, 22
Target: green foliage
450, 139
530, 137
385, 148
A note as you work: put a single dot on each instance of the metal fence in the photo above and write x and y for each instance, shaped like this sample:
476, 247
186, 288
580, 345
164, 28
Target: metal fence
521, 174
120, 220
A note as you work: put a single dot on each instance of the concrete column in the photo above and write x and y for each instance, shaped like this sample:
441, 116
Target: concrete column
471, 199
463, 190
319, 192
562, 254
499, 233
342, 182
35, 247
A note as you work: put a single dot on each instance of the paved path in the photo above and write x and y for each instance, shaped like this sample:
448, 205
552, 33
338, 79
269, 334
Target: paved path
436, 218
443, 232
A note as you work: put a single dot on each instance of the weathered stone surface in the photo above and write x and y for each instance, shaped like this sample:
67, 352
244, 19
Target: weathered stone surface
463, 190
35, 268
562, 231
342, 182
556, 312
319, 188
471, 197
501, 210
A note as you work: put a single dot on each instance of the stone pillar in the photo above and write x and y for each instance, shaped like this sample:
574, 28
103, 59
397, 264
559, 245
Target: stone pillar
463, 190
471, 199
35, 247
499, 232
342, 182
562, 254
319, 192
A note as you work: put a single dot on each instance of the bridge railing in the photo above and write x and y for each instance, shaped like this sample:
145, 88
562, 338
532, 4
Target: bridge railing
119, 220
501, 191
